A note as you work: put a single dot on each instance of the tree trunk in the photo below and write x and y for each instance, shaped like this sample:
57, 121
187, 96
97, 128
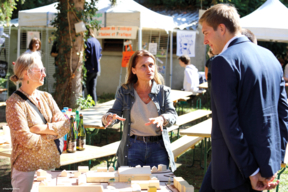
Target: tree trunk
70, 56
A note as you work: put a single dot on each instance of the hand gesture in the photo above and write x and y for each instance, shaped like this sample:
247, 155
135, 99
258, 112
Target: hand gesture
58, 117
110, 118
159, 121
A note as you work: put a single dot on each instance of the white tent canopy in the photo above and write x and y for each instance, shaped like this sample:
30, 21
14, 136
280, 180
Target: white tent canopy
123, 10
268, 22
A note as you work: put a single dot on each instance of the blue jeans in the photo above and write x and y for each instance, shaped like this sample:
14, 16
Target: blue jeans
150, 153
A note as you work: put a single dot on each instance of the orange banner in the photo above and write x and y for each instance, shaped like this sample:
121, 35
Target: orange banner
126, 56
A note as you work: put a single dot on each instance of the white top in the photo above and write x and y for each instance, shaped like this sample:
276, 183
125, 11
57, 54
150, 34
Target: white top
191, 78
140, 114
29, 51
227, 44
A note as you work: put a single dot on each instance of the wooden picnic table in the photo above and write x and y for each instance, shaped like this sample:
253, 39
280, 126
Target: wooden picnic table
202, 129
90, 152
203, 85
2, 90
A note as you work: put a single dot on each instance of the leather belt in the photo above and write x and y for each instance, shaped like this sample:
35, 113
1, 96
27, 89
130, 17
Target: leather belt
147, 138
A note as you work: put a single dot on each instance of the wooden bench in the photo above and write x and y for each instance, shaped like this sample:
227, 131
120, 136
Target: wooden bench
114, 147
188, 118
2, 104
184, 143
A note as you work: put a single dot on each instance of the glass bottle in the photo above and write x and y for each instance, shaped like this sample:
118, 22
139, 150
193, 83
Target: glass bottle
71, 137
81, 139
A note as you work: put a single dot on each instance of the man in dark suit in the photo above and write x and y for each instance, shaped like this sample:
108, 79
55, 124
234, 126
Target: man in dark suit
93, 55
249, 108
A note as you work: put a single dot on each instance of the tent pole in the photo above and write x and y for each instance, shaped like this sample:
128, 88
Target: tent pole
171, 57
140, 34
18, 49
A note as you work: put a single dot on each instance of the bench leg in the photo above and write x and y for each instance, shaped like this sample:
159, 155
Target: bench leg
205, 155
178, 135
121, 124
278, 177
193, 153
171, 135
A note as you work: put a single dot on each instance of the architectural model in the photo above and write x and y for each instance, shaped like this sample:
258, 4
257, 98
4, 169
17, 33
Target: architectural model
90, 181
133, 173
182, 185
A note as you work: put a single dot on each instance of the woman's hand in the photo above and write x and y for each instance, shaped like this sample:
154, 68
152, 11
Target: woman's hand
110, 118
159, 121
58, 117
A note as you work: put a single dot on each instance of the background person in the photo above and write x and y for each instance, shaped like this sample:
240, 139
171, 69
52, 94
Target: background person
249, 35
34, 46
146, 108
33, 145
249, 107
191, 76
208, 69
92, 64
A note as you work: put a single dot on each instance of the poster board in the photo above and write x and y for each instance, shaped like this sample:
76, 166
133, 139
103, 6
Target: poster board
186, 41
153, 48
31, 35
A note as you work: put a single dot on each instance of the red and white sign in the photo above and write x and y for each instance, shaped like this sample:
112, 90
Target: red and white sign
116, 32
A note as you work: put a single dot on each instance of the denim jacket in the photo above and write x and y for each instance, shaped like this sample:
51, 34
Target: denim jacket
160, 95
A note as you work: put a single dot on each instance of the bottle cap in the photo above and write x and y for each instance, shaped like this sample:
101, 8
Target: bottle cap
63, 110
77, 112
66, 108
70, 109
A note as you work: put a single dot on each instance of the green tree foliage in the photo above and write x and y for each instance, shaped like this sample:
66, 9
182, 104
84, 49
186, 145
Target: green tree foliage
6, 8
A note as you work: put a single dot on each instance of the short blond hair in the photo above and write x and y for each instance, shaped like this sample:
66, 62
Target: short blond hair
222, 14
24, 62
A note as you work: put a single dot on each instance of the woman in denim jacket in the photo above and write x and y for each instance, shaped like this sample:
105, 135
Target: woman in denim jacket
146, 108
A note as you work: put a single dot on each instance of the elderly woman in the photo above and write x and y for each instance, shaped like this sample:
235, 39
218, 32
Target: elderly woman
33, 145
34, 46
146, 108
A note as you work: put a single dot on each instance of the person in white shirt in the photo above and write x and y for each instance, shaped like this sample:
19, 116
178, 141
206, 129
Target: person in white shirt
34, 46
191, 76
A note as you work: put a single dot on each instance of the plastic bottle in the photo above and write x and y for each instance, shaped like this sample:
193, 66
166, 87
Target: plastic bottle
65, 136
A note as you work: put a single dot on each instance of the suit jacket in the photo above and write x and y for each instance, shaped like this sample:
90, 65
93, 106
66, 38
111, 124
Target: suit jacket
93, 55
250, 114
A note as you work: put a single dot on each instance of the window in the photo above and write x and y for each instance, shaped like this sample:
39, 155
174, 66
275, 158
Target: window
113, 45
23, 40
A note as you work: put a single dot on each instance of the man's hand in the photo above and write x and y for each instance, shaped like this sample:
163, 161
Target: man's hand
159, 121
271, 184
258, 182
111, 118
58, 117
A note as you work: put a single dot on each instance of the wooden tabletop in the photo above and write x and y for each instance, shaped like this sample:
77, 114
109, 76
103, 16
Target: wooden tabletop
203, 85
180, 95
202, 129
2, 90
91, 152
92, 117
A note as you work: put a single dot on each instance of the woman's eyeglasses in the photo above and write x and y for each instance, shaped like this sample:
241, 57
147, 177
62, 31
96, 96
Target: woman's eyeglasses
42, 70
